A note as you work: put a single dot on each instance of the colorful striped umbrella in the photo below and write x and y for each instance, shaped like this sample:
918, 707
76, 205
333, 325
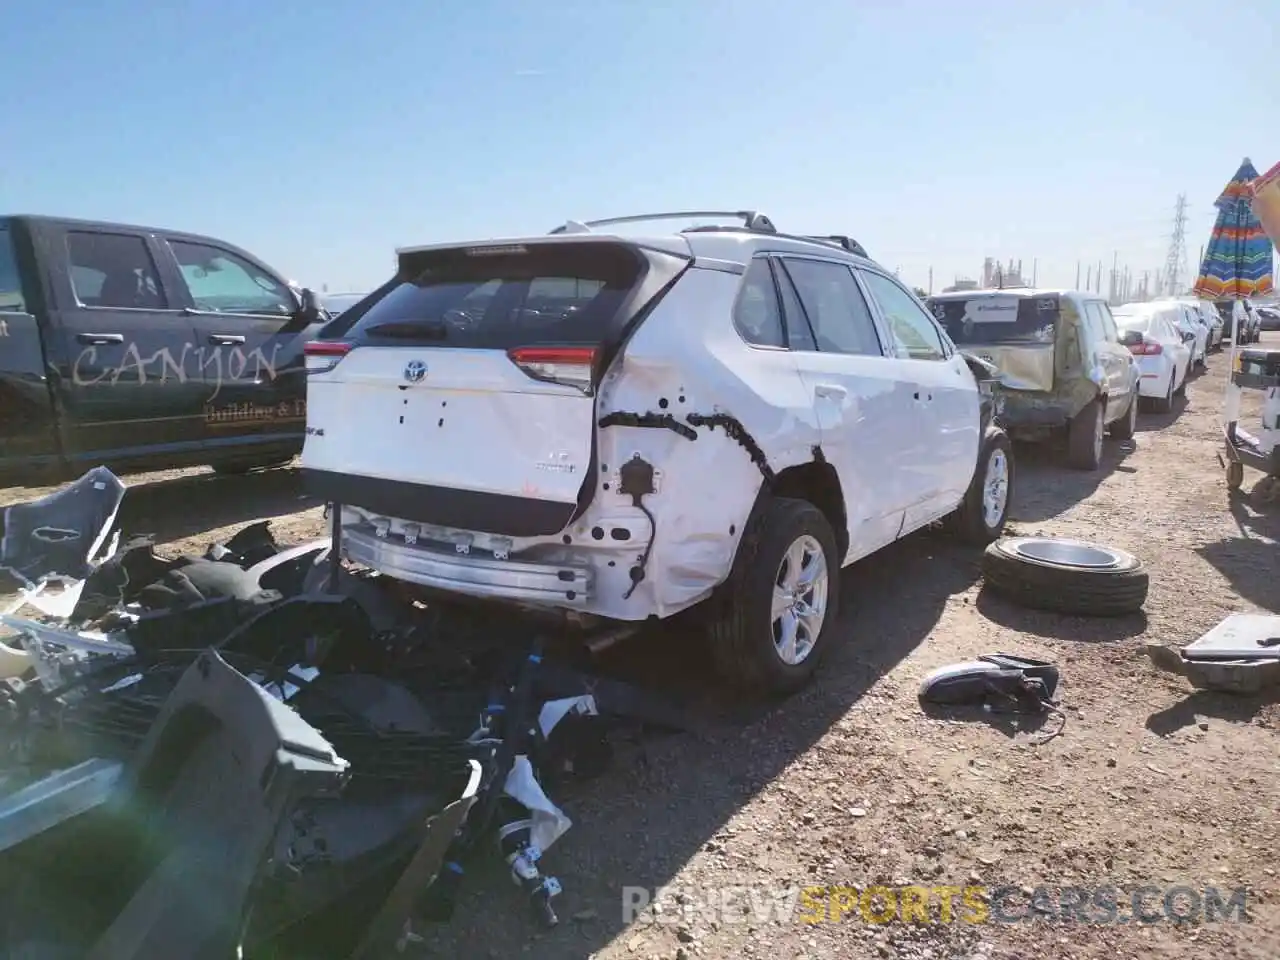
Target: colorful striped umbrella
1237, 259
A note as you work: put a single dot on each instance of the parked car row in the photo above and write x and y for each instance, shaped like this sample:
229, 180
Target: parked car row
608, 428
1065, 372
1242, 316
1269, 317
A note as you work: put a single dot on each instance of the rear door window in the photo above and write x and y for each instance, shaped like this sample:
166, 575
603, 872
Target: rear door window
11, 299
992, 321
113, 270
835, 309
499, 298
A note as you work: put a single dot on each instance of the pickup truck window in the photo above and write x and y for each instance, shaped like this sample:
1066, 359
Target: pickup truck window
11, 300
113, 270
221, 282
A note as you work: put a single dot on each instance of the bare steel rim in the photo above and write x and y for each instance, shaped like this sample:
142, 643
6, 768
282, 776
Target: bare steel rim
995, 488
800, 600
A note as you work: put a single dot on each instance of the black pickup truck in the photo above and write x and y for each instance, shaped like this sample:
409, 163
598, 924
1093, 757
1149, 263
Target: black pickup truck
144, 349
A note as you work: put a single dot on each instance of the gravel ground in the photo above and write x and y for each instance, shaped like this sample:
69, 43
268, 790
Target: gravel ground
850, 785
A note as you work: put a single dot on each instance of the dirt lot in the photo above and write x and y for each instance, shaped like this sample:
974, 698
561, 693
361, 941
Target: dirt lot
850, 784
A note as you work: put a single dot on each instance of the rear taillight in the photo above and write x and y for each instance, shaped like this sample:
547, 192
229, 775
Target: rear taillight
1147, 348
323, 355
572, 366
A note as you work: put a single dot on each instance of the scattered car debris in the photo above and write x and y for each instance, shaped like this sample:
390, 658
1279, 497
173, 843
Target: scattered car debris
218, 730
1066, 576
998, 683
1241, 654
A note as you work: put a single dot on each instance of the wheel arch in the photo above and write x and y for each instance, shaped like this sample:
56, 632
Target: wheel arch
817, 482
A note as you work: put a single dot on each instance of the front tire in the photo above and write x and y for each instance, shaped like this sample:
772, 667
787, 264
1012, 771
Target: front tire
981, 516
780, 602
1084, 437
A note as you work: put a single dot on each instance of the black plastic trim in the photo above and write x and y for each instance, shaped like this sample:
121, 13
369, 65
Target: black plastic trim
442, 506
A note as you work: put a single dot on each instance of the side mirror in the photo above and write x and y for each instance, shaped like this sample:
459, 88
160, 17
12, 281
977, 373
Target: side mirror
1130, 338
1188, 337
310, 310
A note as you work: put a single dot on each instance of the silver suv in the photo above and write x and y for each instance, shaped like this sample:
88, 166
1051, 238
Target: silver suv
622, 427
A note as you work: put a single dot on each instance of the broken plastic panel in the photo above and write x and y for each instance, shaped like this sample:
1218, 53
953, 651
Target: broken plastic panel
60, 536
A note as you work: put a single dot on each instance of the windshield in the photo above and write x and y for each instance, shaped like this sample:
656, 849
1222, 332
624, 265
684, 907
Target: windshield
991, 320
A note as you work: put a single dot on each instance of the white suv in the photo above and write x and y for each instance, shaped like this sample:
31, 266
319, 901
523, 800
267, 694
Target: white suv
622, 427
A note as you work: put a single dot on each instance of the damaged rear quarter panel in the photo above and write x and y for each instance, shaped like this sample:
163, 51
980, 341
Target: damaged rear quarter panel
752, 418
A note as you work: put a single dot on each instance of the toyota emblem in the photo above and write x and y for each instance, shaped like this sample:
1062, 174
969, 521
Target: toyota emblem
414, 371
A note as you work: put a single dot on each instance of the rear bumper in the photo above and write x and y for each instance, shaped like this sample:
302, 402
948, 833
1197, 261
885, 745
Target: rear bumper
444, 506
1151, 381
1033, 410
476, 575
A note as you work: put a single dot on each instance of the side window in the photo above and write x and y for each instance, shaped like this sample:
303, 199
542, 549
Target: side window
756, 313
113, 270
834, 306
221, 282
1092, 322
11, 299
1108, 322
799, 333
914, 331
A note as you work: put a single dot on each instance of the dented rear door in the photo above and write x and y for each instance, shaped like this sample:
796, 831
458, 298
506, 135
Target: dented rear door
464, 393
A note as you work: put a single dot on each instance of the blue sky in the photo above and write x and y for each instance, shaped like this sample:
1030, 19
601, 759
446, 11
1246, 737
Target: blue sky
323, 135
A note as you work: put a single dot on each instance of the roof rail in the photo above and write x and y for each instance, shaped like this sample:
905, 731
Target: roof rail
843, 242
751, 220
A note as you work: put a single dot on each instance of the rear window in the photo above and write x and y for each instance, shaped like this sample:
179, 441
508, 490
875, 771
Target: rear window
557, 293
996, 320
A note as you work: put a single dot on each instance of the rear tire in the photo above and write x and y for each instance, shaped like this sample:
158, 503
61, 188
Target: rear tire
1127, 426
785, 539
982, 514
1084, 437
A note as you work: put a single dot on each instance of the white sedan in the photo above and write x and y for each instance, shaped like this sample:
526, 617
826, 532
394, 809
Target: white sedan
1163, 354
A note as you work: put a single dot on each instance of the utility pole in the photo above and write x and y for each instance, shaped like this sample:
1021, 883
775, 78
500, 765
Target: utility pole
1176, 257
931, 281
1035, 263
1077, 274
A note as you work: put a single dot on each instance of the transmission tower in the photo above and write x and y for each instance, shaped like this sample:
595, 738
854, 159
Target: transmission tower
1177, 256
